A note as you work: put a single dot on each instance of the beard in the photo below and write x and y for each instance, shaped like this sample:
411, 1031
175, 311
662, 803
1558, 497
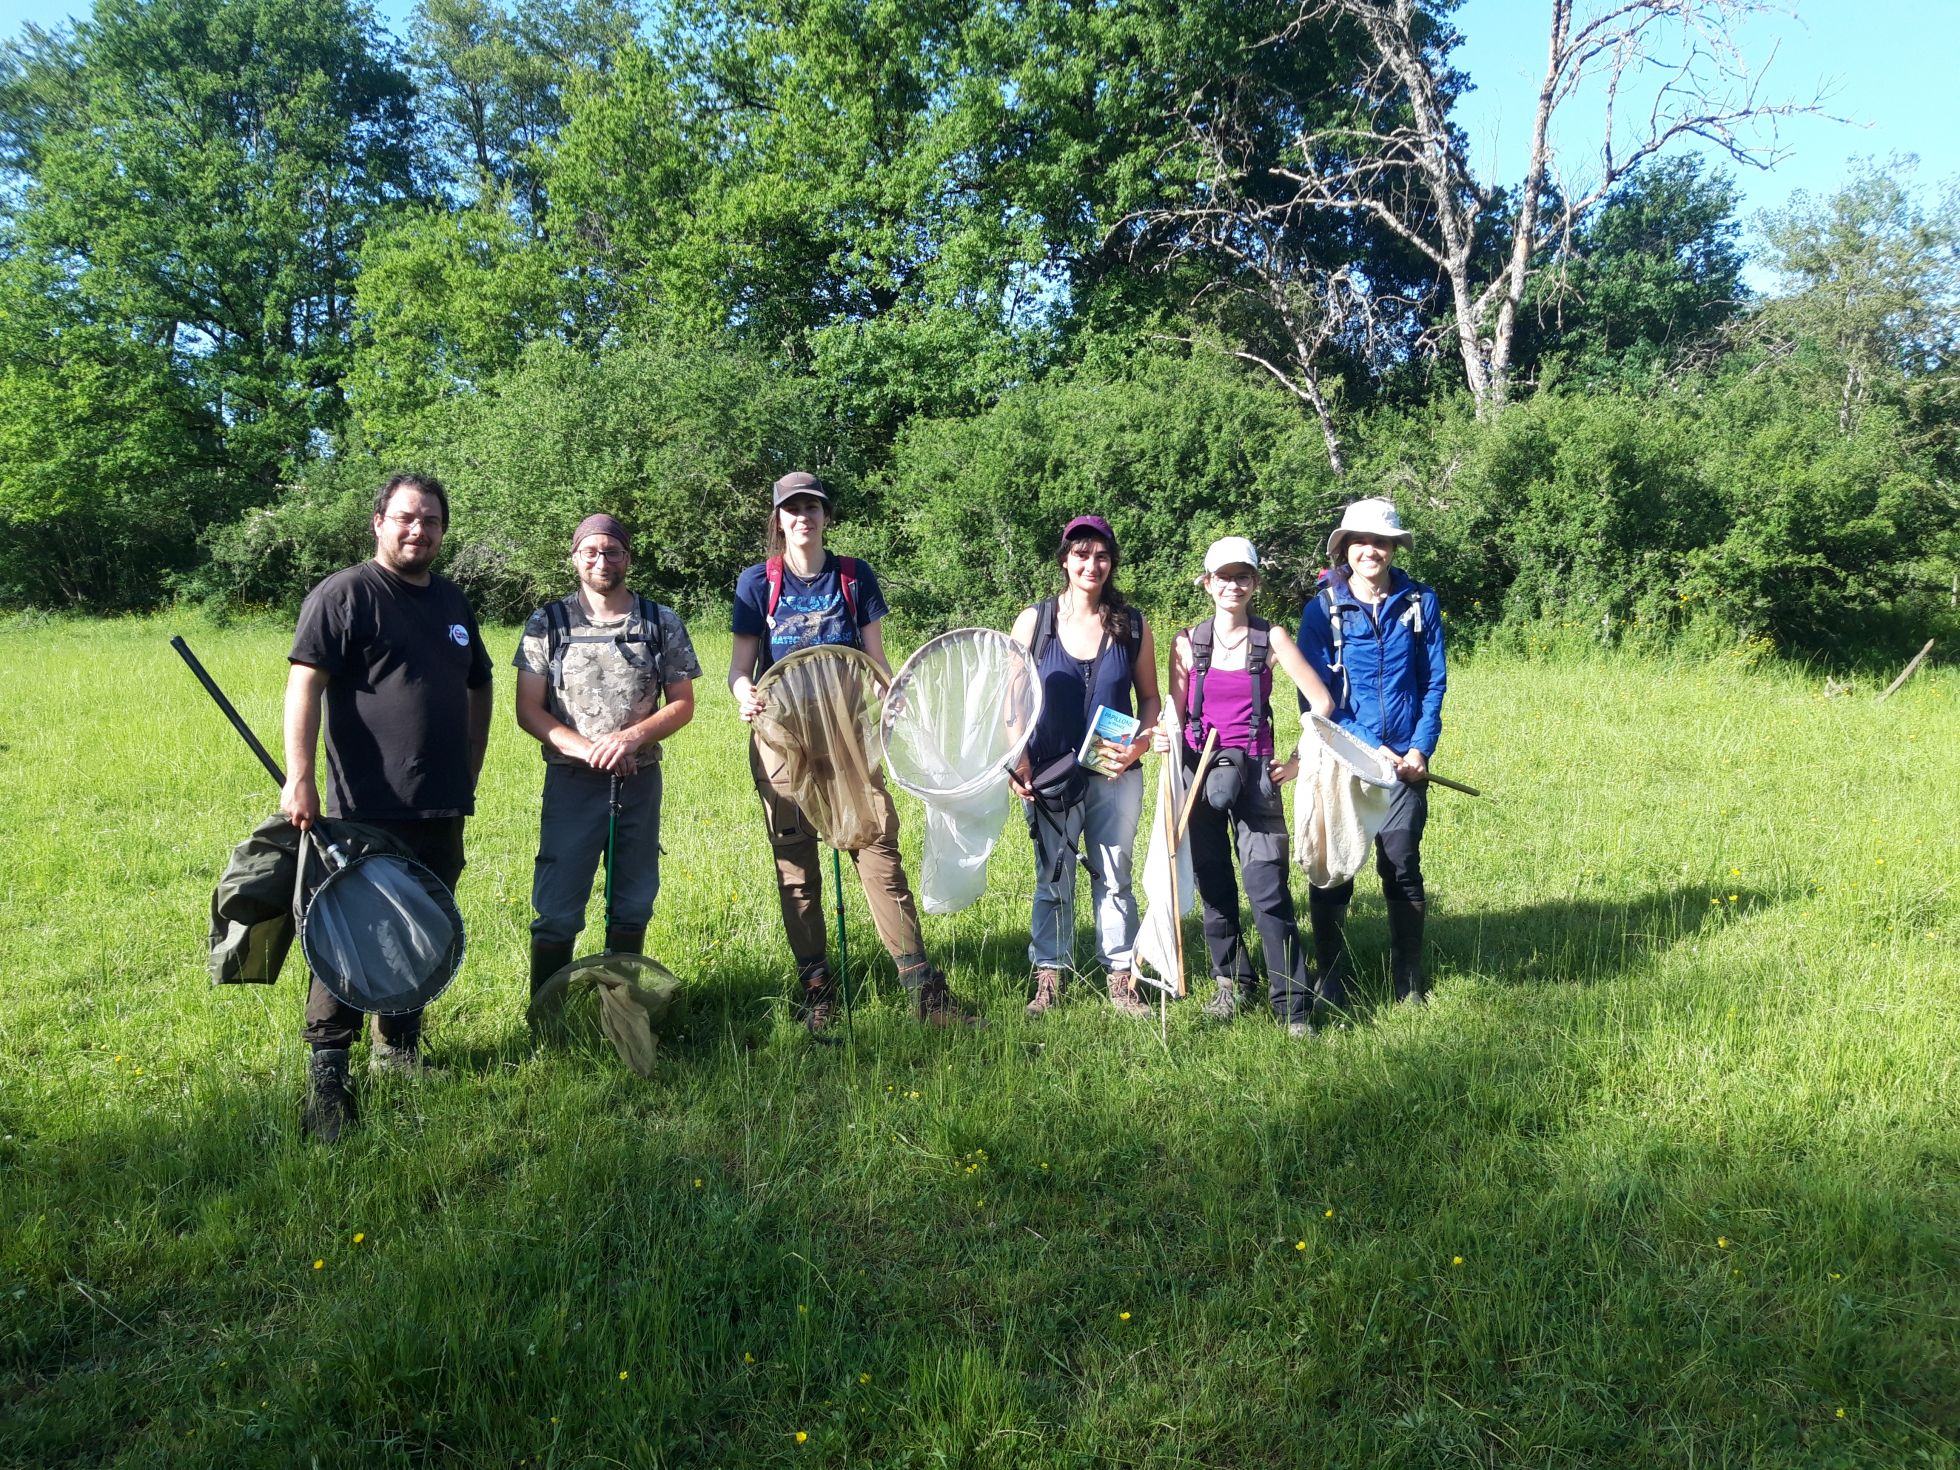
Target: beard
402, 557
602, 579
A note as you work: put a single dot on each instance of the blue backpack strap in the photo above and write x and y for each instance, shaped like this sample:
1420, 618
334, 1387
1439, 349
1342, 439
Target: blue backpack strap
1044, 627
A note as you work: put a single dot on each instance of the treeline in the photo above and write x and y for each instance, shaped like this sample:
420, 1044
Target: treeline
983, 265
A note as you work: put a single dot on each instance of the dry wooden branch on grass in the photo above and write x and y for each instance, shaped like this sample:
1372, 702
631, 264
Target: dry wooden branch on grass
1905, 673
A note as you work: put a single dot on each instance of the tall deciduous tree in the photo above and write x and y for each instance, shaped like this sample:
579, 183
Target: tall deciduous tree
1871, 279
494, 79
201, 173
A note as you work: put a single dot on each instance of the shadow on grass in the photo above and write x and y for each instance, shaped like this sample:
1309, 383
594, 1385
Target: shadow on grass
1234, 1250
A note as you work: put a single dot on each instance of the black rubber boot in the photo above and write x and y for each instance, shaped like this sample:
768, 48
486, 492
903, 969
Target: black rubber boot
625, 939
329, 1095
1405, 919
548, 957
1330, 952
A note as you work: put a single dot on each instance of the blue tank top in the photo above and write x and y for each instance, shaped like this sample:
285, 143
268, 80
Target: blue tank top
1071, 688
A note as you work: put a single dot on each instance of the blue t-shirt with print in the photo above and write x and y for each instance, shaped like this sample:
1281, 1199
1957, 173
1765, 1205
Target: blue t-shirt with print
811, 611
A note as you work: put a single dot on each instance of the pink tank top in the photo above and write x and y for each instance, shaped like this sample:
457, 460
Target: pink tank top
1228, 709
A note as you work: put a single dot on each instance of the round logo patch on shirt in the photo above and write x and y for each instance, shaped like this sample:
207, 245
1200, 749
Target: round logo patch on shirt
459, 635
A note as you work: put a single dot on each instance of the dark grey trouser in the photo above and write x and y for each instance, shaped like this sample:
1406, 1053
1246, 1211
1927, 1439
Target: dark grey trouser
1256, 822
436, 843
572, 839
1398, 850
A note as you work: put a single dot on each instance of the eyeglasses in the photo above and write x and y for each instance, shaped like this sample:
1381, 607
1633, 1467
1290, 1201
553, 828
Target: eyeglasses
600, 553
402, 522
1240, 576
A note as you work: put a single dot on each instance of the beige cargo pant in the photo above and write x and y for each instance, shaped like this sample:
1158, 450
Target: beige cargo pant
799, 870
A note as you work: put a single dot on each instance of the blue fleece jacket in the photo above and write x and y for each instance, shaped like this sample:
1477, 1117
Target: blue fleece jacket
1393, 690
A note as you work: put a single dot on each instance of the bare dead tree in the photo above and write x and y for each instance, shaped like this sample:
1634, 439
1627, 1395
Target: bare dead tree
1395, 158
1275, 304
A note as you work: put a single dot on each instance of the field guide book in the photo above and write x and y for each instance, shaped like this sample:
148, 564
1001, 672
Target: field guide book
1111, 725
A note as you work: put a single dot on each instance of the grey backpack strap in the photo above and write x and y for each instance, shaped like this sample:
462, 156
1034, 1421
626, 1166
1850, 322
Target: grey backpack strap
558, 632
1339, 635
1194, 691
1258, 651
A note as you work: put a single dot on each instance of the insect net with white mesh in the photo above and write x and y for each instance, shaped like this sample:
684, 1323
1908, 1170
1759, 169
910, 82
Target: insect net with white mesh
822, 716
1346, 788
958, 715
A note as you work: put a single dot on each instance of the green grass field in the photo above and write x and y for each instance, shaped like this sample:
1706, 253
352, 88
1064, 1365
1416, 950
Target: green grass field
1667, 1175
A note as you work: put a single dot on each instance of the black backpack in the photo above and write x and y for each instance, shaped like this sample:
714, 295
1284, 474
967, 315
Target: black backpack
1256, 658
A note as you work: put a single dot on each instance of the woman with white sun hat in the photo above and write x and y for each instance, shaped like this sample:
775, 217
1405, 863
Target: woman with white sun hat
1375, 636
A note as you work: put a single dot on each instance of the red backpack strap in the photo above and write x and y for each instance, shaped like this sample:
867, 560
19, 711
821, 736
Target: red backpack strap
847, 580
772, 572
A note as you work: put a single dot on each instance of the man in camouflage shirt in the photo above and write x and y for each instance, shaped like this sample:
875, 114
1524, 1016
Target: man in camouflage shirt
591, 673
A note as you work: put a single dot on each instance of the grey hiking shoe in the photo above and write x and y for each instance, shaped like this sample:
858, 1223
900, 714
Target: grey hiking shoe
1048, 987
1226, 1001
399, 1061
936, 1005
329, 1105
1299, 1030
1123, 994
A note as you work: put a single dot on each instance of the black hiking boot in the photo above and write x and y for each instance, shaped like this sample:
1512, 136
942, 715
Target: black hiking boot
329, 1105
1229, 999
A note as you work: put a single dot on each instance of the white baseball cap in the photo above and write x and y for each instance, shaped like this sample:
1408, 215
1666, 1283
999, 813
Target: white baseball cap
1228, 551
1374, 516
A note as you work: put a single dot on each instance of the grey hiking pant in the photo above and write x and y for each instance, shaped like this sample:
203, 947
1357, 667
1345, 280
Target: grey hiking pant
572, 839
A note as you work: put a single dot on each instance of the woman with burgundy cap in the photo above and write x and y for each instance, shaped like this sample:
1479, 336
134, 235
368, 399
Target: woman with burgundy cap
1375, 636
802, 594
1090, 648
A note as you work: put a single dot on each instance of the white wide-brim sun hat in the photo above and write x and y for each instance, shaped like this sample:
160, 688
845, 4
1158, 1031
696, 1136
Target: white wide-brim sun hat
1374, 516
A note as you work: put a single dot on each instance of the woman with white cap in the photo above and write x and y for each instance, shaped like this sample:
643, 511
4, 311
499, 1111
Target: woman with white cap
802, 594
1222, 680
1375, 635
1090, 648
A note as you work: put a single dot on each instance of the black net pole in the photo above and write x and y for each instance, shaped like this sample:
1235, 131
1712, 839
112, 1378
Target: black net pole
237, 720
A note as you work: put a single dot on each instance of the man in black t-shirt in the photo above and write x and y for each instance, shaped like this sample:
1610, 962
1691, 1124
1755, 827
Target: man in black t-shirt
393, 652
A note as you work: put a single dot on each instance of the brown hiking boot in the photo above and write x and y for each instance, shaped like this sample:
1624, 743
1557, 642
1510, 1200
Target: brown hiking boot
1048, 987
936, 1005
816, 1007
1123, 994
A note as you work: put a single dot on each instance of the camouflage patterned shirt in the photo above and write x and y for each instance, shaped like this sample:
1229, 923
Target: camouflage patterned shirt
608, 675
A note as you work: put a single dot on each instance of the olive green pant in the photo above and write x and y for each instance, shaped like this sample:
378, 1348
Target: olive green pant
799, 870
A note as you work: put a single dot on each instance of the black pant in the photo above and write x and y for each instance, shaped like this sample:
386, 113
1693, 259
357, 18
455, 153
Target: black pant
1256, 822
436, 843
1398, 850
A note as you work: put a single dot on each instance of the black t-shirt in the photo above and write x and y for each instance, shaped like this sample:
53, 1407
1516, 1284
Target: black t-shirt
399, 660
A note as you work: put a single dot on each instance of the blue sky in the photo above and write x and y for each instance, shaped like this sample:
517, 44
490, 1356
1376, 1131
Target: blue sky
1887, 65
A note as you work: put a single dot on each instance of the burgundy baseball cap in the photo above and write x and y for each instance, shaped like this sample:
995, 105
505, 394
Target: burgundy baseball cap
1093, 525
801, 482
